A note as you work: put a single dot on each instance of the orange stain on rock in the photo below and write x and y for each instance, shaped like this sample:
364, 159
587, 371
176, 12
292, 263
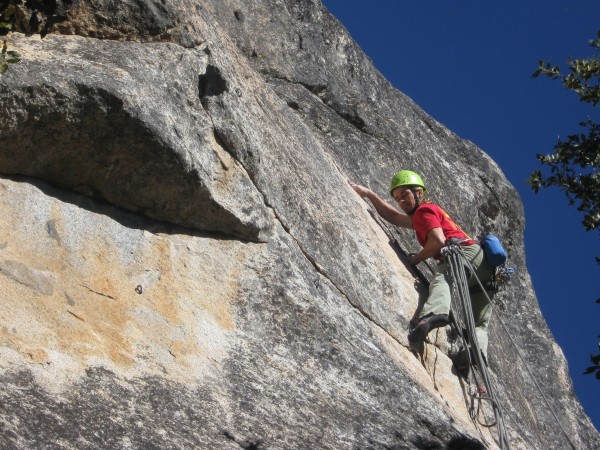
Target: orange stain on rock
38, 355
95, 312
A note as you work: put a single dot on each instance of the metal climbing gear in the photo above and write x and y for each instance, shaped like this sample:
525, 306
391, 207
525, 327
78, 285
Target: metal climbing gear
504, 274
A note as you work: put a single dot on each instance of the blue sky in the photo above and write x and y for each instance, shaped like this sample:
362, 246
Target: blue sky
468, 64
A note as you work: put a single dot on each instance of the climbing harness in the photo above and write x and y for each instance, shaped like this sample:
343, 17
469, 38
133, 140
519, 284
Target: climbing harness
458, 265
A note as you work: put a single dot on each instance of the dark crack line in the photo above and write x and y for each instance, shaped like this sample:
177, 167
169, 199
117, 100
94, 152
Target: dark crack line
486, 183
317, 91
98, 293
323, 274
75, 315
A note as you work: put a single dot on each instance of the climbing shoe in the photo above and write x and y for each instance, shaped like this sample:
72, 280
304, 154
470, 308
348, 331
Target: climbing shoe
461, 363
425, 325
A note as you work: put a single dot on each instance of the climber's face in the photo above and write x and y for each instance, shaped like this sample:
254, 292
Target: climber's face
406, 199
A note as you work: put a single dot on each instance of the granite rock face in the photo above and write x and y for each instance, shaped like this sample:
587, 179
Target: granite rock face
184, 265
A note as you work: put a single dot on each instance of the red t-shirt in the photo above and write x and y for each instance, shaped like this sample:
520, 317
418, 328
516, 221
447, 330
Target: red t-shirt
429, 216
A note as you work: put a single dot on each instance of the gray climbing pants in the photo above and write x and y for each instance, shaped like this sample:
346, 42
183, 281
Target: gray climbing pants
438, 301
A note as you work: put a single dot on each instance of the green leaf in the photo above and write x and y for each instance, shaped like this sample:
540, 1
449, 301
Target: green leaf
3, 67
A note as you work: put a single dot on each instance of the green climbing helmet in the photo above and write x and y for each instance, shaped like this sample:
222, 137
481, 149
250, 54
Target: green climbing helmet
406, 178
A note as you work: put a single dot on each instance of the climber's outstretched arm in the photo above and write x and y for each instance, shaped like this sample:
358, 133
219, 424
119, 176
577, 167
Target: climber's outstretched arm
385, 210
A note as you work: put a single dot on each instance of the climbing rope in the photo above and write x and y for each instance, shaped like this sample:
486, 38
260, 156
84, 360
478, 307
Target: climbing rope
457, 263
534, 379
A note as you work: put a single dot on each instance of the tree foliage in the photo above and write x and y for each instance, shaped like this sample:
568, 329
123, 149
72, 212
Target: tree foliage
575, 161
595, 359
29, 17
573, 167
595, 367
8, 15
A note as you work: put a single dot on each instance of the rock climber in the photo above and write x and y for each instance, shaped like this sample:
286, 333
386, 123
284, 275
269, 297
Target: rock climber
434, 228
